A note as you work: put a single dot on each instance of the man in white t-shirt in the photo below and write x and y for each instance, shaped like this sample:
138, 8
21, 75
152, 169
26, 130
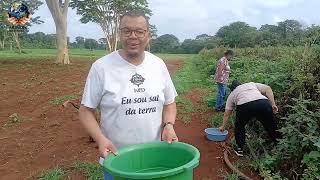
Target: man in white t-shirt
251, 100
133, 90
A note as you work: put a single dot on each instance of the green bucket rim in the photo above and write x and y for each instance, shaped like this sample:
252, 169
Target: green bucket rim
132, 175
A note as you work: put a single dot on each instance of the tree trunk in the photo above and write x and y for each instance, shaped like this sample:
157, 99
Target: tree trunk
149, 47
62, 44
3, 40
109, 43
2, 44
15, 35
59, 12
112, 45
111, 33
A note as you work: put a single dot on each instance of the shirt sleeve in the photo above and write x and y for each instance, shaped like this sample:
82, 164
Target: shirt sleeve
170, 92
261, 87
230, 104
93, 89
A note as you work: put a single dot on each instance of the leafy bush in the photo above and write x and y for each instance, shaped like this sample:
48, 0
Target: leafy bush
292, 73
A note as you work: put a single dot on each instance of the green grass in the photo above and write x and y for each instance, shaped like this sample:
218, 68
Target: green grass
60, 100
216, 120
55, 174
185, 108
232, 176
174, 56
92, 171
41, 54
13, 119
191, 76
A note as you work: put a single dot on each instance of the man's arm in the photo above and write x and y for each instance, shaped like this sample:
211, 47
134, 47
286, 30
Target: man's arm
88, 120
267, 91
226, 117
169, 118
169, 113
270, 96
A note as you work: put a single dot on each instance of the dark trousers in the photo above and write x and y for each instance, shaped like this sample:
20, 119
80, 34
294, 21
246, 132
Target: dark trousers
261, 110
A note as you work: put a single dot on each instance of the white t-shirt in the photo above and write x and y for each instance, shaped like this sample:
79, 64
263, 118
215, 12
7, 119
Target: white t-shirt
131, 98
245, 93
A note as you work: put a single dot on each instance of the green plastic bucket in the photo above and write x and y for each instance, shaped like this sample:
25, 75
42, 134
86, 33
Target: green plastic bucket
156, 160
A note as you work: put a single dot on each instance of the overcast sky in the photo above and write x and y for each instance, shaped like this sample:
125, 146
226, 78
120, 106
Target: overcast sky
189, 18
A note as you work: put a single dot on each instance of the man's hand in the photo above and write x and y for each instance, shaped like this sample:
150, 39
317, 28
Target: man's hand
168, 134
275, 109
106, 147
221, 128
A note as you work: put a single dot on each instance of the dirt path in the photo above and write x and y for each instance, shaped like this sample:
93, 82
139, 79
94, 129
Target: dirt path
211, 163
48, 135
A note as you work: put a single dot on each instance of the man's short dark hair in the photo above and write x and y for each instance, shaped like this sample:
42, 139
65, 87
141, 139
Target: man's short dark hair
229, 52
234, 85
136, 14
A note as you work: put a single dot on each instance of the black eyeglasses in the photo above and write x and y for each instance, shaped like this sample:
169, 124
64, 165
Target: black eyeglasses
140, 33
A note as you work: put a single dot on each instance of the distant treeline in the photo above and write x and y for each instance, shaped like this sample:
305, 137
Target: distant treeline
235, 35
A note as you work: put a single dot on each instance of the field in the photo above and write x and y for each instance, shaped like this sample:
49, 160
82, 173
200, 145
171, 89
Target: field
42, 140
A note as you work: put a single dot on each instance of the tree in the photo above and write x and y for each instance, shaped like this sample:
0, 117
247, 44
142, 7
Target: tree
238, 34
59, 12
102, 43
269, 35
291, 32
203, 37
80, 41
191, 46
153, 31
107, 13
153, 34
312, 34
167, 43
38, 40
90, 44
4, 29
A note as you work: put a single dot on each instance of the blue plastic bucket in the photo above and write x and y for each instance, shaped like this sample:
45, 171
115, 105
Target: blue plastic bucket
214, 134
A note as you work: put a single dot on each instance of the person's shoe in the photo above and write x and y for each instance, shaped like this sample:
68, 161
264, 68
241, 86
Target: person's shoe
239, 152
219, 110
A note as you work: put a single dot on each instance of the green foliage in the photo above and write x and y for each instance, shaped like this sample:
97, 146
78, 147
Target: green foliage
91, 171
55, 174
167, 43
38, 40
238, 34
292, 73
99, 10
300, 142
14, 118
60, 100
185, 108
232, 176
216, 120
91, 44
107, 13
190, 76
288, 33
312, 162
46, 54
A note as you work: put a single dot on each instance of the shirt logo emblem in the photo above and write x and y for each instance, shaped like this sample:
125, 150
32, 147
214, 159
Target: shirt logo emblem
137, 79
